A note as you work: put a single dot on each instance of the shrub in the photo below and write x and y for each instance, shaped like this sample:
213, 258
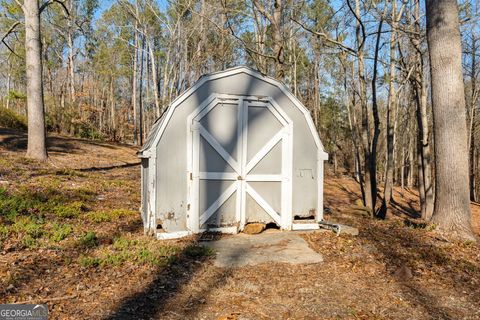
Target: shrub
9, 119
71, 210
28, 226
135, 251
60, 232
89, 240
107, 216
87, 131
29, 242
86, 261
123, 243
99, 216
4, 231
21, 204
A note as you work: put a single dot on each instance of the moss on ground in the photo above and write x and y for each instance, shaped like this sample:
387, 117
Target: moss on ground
131, 250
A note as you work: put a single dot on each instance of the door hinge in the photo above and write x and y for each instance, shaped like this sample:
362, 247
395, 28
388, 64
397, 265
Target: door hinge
188, 206
191, 176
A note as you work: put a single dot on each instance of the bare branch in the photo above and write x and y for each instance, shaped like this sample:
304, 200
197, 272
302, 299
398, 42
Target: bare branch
49, 2
327, 38
407, 78
10, 30
262, 10
19, 4
245, 45
362, 27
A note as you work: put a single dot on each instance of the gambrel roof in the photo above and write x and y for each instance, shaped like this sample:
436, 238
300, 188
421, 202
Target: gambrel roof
159, 126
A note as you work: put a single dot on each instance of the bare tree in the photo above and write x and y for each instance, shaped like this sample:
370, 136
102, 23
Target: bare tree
420, 95
134, 78
471, 51
391, 115
275, 20
452, 199
369, 144
36, 148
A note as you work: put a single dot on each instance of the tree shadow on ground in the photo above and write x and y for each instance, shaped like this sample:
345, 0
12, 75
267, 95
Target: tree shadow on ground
405, 247
409, 210
405, 204
53, 145
408, 245
16, 140
334, 203
120, 166
152, 301
168, 281
352, 195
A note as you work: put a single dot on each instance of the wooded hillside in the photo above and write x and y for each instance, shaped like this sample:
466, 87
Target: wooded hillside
392, 88
361, 67
71, 237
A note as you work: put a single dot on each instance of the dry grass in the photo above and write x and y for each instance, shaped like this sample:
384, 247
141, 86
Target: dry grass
81, 250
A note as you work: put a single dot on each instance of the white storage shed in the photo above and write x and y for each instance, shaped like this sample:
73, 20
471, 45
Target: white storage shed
235, 148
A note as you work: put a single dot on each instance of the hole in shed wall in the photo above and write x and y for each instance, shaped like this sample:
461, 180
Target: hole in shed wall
272, 225
159, 226
310, 217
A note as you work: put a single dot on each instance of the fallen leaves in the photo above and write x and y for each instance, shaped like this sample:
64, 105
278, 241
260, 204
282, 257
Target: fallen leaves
391, 270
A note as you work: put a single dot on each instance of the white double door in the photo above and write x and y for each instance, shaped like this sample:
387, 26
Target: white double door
240, 164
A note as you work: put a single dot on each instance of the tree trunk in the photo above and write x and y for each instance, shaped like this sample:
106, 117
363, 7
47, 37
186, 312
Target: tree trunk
391, 108
402, 167
411, 153
9, 81
473, 170
112, 108
36, 148
276, 24
472, 107
354, 131
475, 160
154, 78
278, 40
452, 198
140, 91
71, 68
134, 81
421, 178
369, 198
424, 154
424, 150
316, 94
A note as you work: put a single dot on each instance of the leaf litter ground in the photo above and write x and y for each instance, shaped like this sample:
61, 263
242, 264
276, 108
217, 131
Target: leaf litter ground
71, 237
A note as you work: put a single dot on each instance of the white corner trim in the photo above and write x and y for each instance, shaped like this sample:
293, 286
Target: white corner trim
172, 235
229, 230
145, 154
320, 179
305, 226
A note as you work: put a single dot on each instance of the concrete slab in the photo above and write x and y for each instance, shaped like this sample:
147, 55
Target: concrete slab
246, 250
